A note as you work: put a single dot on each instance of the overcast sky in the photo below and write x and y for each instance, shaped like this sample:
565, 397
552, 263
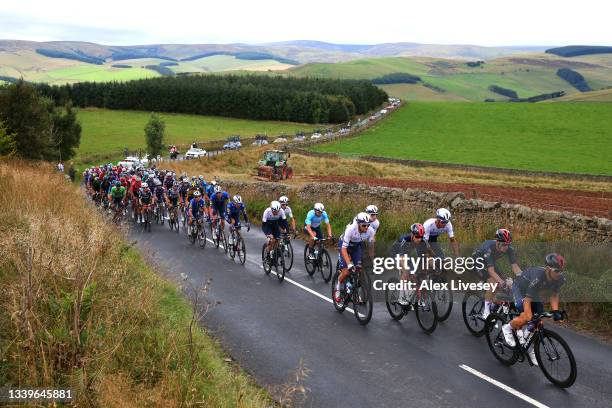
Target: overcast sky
483, 22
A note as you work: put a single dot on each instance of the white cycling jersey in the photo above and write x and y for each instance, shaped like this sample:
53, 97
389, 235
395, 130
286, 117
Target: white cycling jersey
432, 232
269, 216
375, 225
352, 236
288, 211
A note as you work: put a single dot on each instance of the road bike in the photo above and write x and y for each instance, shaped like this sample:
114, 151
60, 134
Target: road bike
419, 300
287, 248
173, 218
197, 232
552, 353
160, 212
236, 243
318, 259
358, 291
119, 213
218, 235
146, 217
472, 307
273, 259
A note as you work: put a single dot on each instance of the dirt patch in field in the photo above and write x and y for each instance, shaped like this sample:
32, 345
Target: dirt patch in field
576, 201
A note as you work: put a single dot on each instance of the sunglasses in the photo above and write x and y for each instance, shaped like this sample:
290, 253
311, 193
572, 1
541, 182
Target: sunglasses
364, 225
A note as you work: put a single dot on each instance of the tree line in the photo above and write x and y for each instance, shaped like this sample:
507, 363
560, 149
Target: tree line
397, 78
307, 100
34, 127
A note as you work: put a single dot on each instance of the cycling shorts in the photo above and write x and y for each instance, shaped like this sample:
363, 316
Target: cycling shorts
316, 230
355, 253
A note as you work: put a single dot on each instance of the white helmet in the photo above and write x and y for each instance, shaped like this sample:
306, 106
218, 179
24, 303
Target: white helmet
217, 189
145, 185
362, 218
237, 199
275, 206
196, 193
214, 182
371, 209
319, 207
443, 214
283, 200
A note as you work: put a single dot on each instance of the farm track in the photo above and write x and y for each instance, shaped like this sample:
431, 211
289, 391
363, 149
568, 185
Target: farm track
576, 201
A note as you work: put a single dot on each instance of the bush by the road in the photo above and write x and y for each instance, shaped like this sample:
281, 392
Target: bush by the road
397, 78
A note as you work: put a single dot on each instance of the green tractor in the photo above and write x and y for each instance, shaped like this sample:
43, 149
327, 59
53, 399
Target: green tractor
273, 166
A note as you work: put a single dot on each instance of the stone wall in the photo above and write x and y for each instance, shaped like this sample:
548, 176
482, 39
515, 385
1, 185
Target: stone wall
592, 229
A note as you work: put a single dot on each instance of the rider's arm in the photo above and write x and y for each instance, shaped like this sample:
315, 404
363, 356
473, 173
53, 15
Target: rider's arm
516, 269
345, 256
493, 274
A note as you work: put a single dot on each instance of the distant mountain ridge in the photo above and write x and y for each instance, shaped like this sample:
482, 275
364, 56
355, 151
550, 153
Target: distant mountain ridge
300, 51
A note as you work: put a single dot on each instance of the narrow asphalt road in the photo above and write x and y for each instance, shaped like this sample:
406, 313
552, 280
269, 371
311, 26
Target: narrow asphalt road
269, 327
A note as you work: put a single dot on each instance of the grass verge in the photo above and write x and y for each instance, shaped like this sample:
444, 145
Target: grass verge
81, 309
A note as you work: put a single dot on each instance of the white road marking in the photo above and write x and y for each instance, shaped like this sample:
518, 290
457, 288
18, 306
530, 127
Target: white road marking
503, 386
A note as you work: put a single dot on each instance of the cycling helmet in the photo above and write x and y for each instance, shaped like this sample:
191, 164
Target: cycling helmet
320, 207
175, 184
196, 193
145, 185
417, 230
218, 189
284, 200
503, 235
443, 214
117, 183
275, 206
201, 177
237, 199
371, 209
555, 261
363, 218
193, 178
214, 182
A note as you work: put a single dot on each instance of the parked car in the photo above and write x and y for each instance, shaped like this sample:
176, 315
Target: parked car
373, 118
195, 153
233, 143
129, 162
280, 140
315, 136
260, 142
383, 111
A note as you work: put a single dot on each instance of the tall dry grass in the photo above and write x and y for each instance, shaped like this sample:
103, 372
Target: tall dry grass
81, 310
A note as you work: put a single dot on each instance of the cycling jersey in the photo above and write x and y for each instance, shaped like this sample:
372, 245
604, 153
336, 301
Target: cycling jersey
234, 210
173, 196
432, 231
287, 211
313, 220
532, 283
271, 223
159, 193
117, 192
375, 224
196, 206
145, 196
489, 253
210, 189
353, 237
218, 203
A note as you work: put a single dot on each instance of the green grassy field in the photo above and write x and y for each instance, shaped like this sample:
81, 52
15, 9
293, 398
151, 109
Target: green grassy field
108, 131
560, 137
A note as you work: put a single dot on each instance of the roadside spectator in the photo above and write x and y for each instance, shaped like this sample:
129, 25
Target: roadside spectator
194, 145
71, 172
60, 167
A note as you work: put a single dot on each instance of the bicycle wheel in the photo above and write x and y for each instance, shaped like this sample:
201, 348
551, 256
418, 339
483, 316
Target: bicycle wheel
495, 339
339, 308
391, 296
232, 246
241, 250
265, 261
471, 308
280, 259
216, 237
288, 254
555, 359
224, 241
309, 264
362, 299
425, 309
202, 237
444, 300
325, 266
192, 235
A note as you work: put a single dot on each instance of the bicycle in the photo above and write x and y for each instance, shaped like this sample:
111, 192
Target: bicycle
420, 300
120, 212
146, 217
236, 243
357, 291
160, 213
173, 221
196, 232
322, 260
218, 235
287, 248
272, 258
549, 347
472, 307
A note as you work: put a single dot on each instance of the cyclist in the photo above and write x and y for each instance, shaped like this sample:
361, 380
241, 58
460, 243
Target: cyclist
234, 209
196, 207
372, 211
490, 251
172, 197
95, 187
349, 249
218, 203
529, 290
408, 244
312, 226
117, 195
145, 199
434, 227
284, 201
274, 221
158, 192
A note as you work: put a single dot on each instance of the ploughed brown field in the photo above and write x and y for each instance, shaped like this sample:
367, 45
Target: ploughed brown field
576, 201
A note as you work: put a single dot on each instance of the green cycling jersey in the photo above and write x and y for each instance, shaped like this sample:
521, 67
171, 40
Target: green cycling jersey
118, 192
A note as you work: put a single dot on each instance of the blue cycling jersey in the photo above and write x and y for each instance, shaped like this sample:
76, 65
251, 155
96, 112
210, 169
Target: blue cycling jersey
314, 220
196, 206
234, 210
219, 201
